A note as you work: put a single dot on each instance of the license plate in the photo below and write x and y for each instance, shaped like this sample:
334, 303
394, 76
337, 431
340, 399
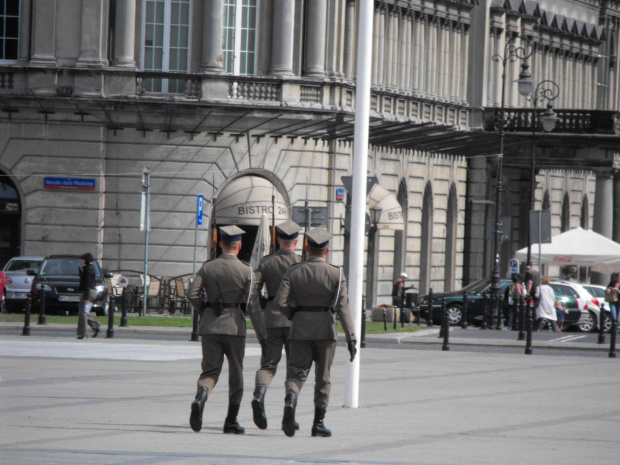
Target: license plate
17, 295
69, 298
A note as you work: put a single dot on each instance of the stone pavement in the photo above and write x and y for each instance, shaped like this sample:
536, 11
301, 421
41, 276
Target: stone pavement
118, 401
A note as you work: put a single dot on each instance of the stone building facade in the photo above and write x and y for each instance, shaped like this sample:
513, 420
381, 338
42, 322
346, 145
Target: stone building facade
241, 100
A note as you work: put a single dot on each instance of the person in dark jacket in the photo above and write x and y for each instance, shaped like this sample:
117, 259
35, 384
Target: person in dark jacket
88, 296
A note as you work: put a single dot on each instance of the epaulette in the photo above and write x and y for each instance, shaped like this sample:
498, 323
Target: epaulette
245, 263
335, 266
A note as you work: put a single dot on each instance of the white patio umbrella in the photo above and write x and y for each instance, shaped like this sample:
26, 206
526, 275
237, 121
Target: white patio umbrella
578, 247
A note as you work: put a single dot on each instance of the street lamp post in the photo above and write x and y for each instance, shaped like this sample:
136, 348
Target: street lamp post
512, 53
549, 91
375, 216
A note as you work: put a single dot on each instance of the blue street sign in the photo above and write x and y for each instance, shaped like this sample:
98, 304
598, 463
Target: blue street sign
199, 210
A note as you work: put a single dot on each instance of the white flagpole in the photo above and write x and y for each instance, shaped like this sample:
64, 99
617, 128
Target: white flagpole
358, 207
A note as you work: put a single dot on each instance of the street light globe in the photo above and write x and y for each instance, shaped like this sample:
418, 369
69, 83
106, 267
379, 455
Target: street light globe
375, 214
549, 119
525, 82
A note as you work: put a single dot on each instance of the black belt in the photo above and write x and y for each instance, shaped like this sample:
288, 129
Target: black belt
222, 305
271, 298
313, 309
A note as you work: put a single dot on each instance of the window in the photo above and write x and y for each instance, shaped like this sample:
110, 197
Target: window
166, 42
239, 38
9, 30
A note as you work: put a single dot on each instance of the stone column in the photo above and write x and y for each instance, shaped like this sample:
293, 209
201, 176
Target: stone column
316, 28
44, 33
431, 57
24, 31
417, 48
464, 67
282, 38
455, 58
376, 51
93, 37
603, 214
349, 40
125, 34
405, 83
616, 207
212, 29
395, 47
381, 45
389, 56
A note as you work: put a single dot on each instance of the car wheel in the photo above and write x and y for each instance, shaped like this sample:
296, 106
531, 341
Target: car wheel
607, 323
455, 314
587, 323
103, 311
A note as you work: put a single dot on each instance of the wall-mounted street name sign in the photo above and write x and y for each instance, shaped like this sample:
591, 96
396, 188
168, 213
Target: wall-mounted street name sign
69, 183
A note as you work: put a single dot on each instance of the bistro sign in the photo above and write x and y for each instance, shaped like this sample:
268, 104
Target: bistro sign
69, 183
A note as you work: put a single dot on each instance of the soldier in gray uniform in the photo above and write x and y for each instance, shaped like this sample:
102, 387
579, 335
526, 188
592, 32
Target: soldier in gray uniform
313, 294
270, 272
229, 287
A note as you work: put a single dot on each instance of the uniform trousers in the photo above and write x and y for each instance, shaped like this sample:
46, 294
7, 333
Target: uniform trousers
301, 356
214, 348
84, 317
277, 338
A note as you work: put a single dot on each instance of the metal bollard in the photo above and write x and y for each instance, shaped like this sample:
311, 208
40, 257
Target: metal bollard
173, 306
515, 313
464, 314
384, 321
402, 316
111, 309
446, 325
194, 336
484, 312
612, 342
394, 323
528, 342
500, 313
429, 321
524, 304
124, 310
41, 307
141, 311
443, 319
601, 326
363, 341
26, 330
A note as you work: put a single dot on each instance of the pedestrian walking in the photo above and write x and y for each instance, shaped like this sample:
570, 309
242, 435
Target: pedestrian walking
560, 313
611, 294
532, 280
269, 273
313, 294
229, 287
511, 298
545, 310
88, 295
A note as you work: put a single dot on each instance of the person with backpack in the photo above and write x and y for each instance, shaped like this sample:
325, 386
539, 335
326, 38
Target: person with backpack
511, 298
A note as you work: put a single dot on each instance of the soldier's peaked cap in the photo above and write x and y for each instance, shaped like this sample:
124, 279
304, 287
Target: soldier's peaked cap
231, 233
288, 230
318, 237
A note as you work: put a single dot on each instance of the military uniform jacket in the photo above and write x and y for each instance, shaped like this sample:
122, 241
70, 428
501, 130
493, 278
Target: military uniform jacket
270, 272
314, 283
230, 279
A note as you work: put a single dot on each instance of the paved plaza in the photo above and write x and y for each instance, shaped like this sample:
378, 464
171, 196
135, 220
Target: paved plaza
113, 401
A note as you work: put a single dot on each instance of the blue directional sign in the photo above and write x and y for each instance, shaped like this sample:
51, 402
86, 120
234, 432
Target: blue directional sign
201, 199
69, 183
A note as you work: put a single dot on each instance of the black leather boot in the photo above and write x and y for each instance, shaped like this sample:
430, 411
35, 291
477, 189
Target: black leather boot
288, 419
258, 407
198, 406
318, 428
231, 425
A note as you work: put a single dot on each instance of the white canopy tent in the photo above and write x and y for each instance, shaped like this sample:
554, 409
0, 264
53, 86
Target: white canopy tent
578, 247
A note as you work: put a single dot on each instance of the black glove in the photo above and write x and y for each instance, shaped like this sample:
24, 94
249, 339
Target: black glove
262, 301
352, 349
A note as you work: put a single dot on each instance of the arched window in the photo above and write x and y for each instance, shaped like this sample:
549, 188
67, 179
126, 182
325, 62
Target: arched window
546, 205
451, 228
584, 220
400, 237
426, 244
565, 222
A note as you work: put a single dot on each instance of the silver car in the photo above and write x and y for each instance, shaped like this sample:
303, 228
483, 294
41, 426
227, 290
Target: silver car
18, 283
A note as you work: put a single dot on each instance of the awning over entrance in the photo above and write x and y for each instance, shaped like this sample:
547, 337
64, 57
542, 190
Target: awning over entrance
392, 213
244, 200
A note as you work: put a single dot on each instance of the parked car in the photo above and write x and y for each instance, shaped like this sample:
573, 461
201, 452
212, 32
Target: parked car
18, 283
60, 279
476, 293
587, 303
598, 292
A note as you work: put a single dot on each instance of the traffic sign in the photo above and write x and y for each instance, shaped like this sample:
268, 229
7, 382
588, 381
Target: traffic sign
199, 210
514, 266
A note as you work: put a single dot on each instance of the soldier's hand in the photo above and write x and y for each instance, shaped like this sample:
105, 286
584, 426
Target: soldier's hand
352, 349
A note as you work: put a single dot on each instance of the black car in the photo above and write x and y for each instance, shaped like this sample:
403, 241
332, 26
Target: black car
476, 293
59, 278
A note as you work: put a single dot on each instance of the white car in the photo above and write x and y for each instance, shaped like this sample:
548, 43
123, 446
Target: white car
18, 283
598, 293
588, 303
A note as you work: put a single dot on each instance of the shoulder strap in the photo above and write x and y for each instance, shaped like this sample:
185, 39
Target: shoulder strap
337, 289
